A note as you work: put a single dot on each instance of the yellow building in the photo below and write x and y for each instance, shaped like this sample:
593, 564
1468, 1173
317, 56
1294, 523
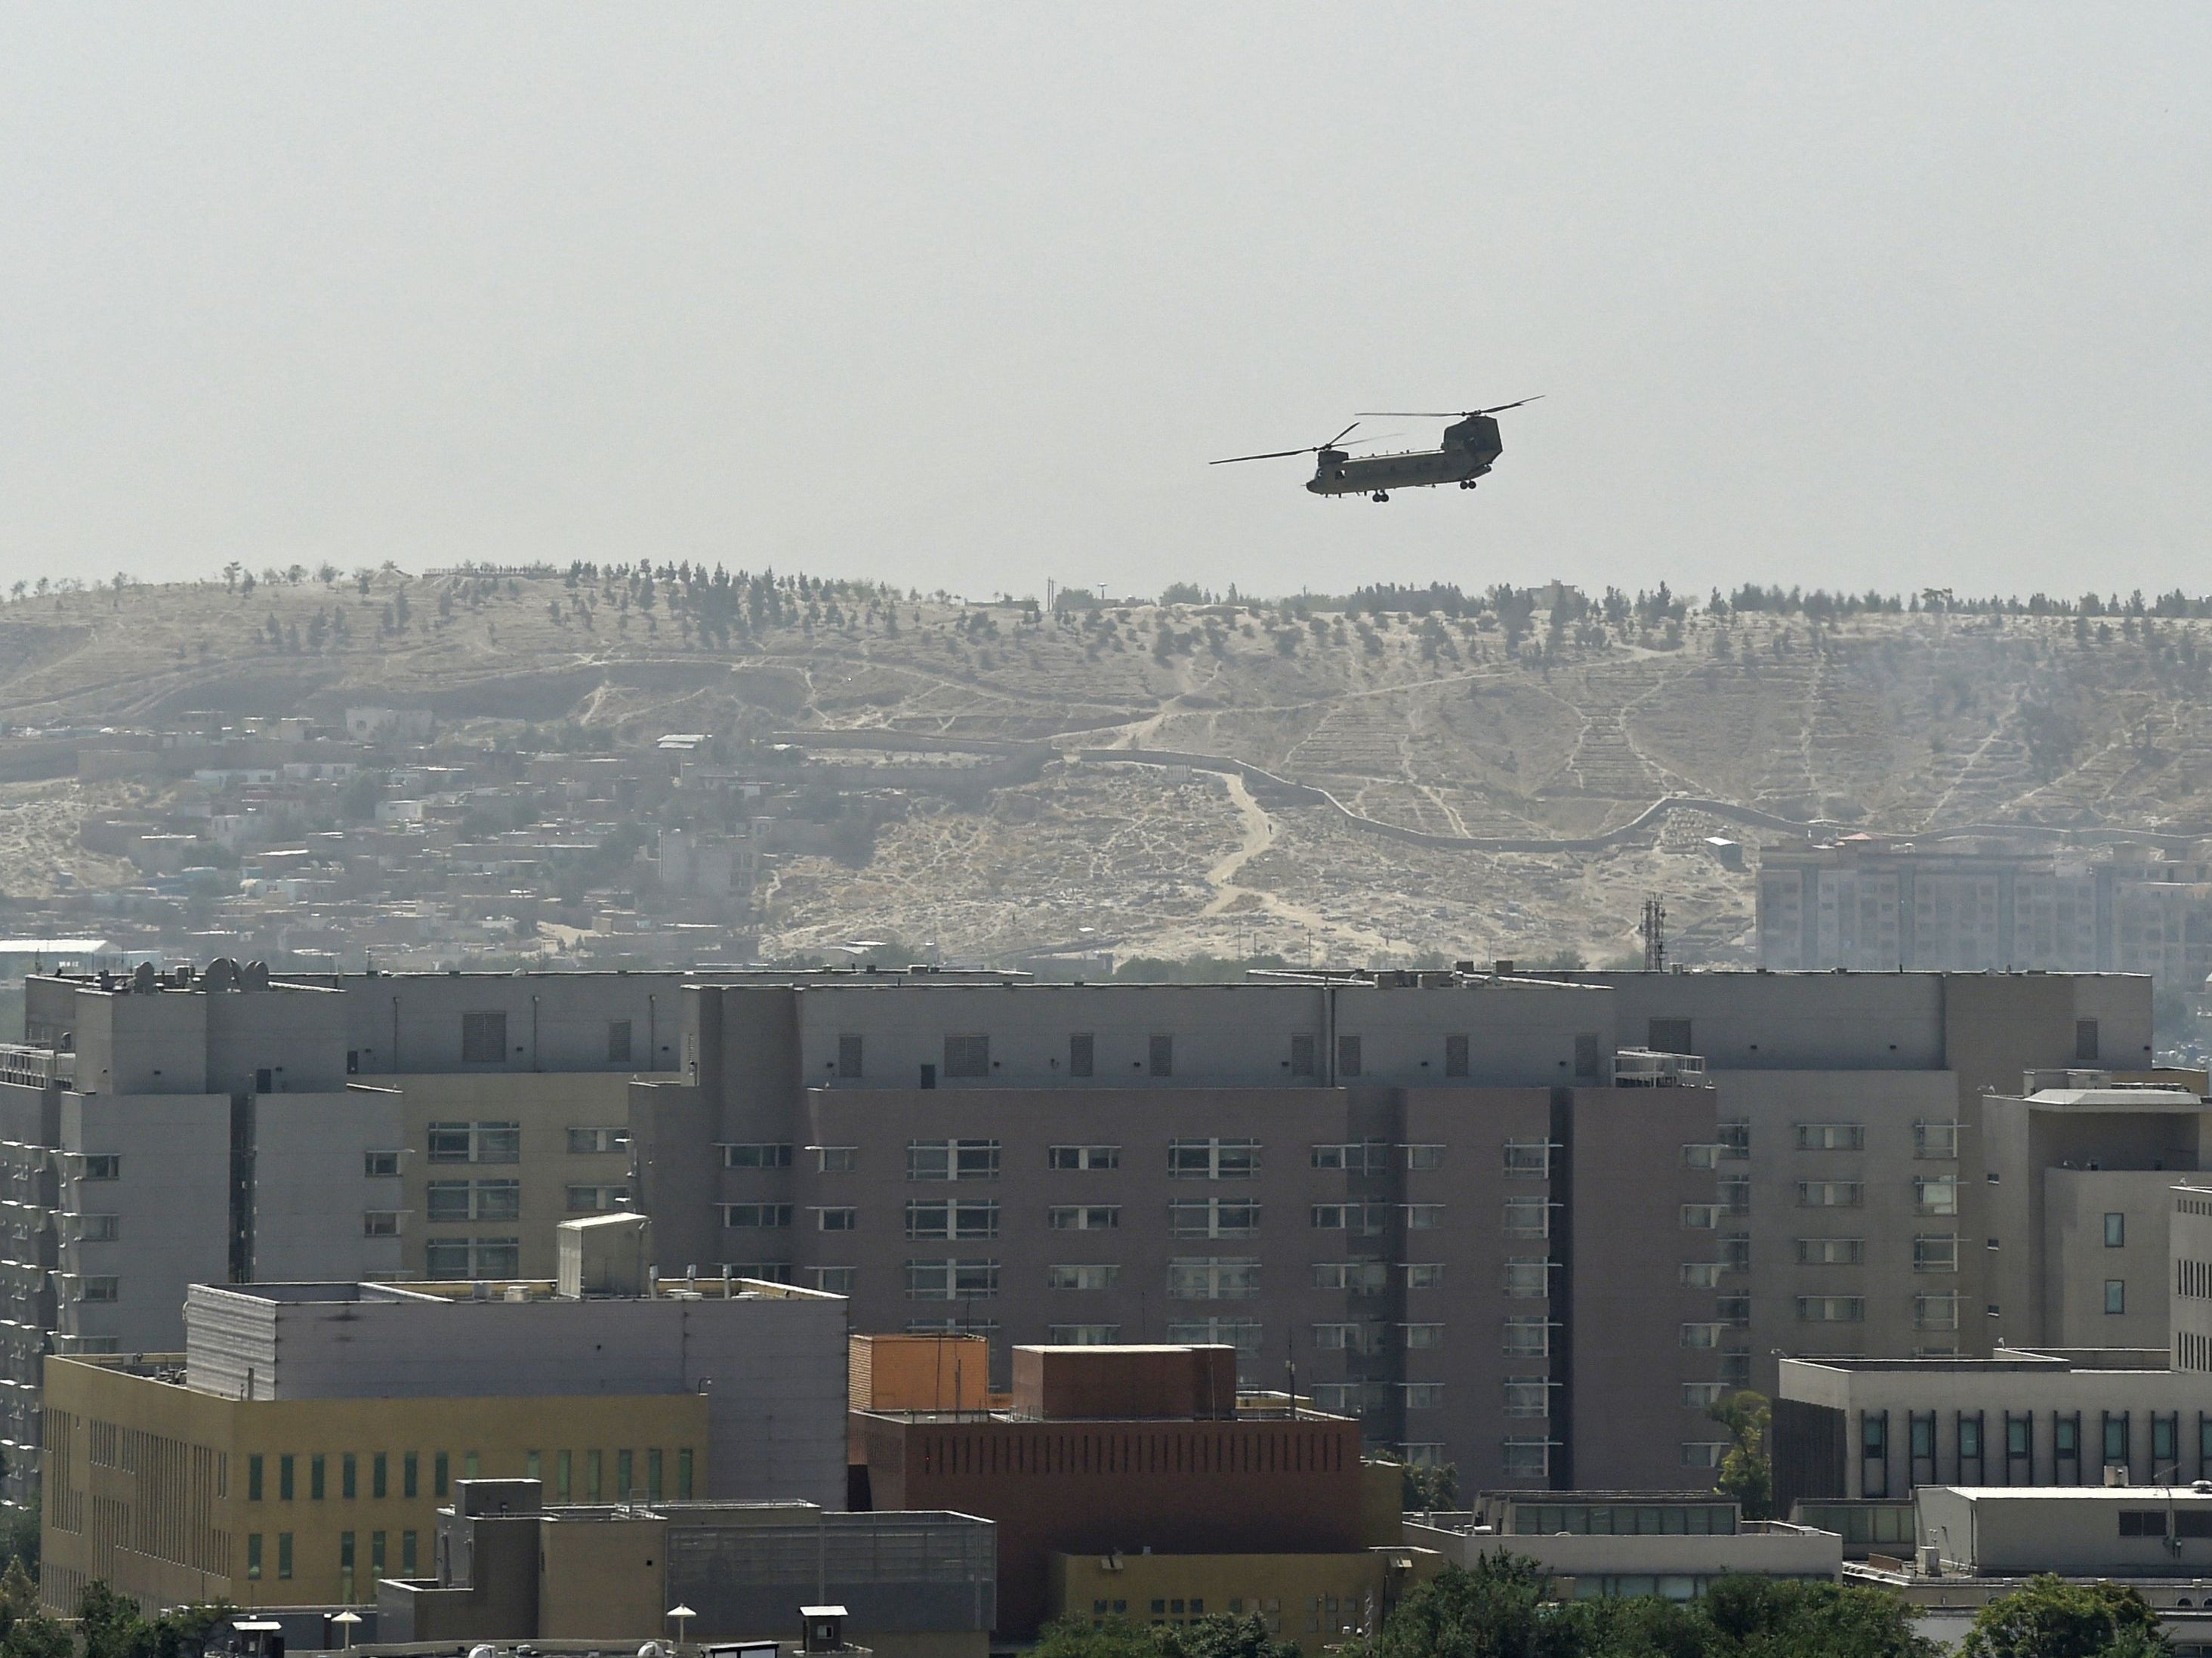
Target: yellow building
171, 1494
1316, 1600
493, 1162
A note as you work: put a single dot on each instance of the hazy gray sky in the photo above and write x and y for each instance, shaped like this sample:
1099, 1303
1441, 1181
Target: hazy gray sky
968, 296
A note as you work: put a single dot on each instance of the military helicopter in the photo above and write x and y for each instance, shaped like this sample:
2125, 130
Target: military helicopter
1469, 448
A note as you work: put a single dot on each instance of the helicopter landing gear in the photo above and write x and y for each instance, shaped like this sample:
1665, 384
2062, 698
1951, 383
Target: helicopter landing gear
1381, 495
1466, 483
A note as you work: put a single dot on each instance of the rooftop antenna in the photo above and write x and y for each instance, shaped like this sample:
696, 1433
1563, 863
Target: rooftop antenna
1654, 929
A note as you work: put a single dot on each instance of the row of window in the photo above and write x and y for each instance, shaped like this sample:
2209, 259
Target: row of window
1358, 1278
2115, 1440
979, 1279
1931, 1141
495, 1142
967, 1056
405, 1481
1195, 1159
1936, 1194
447, 1201
1195, 1217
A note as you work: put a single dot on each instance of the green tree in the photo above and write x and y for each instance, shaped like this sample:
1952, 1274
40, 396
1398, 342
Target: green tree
1076, 1637
1226, 1635
37, 1636
1495, 1609
1428, 1488
1746, 1472
2054, 1619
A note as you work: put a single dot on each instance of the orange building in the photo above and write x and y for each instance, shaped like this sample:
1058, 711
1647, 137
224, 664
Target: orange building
1126, 1450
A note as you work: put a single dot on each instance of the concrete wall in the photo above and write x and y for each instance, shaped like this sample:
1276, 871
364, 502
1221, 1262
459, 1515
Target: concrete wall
2191, 1308
172, 1201
1790, 1021
310, 1180
411, 1022
2078, 1264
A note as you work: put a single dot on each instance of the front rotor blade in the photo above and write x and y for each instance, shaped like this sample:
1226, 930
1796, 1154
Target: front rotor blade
1271, 455
1501, 408
1412, 414
1340, 437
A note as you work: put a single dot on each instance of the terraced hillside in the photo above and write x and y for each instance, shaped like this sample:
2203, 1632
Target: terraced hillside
1228, 778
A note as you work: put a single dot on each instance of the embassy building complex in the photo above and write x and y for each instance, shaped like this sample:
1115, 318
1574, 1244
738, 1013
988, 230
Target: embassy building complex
1528, 1225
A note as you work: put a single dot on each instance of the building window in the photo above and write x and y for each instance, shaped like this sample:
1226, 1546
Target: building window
103, 1288
1352, 1277
484, 1039
1421, 1158
348, 1476
1082, 1053
1936, 1141
1455, 1055
1936, 1194
2116, 1295
1668, 1036
2115, 1231
2116, 1438
254, 1477
1424, 1275
1831, 1309
1734, 1194
1213, 1160
253, 1556
1362, 1219
1935, 1253
1242, 1334
834, 1280
967, 1056
1695, 1275
1830, 1194
1936, 1312
1083, 1157
1528, 1160
380, 1475
850, 1050
2085, 1041
1422, 1395
834, 1219
951, 1281
285, 1483
1213, 1278
1347, 1056
978, 1218
1831, 1252
1527, 1337
1302, 1055
1161, 1054
584, 1141
1348, 1338
317, 1484
102, 1165
379, 1165
1589, 1056
1735, 1252
283, 1554
1528, 1217
1735, 1140
447, 1201
597, 1199
1422, 1217
1213, 1217
1831, 1137
1082, 1217
769, 1217
476, 1142
1082, 1277
835, 1160
770, 1155
1357, 1157
952, 1160
1700, 1217
1083, 1335
1418, 1338
1526, 1461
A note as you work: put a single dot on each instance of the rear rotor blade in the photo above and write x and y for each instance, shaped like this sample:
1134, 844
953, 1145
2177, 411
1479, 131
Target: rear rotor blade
1340, 436
1500, 408
1271, 455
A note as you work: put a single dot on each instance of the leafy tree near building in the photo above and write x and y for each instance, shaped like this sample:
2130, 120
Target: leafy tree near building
1746, 1472
2054, 1619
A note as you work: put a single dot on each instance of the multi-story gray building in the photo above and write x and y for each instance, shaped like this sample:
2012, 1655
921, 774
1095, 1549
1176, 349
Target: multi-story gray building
1426, 1191
1870, 905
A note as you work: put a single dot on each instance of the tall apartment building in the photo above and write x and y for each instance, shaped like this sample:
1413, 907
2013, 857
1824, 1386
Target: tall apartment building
1870, 905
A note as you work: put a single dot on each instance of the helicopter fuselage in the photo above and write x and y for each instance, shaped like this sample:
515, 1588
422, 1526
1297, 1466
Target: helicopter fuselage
1470, 448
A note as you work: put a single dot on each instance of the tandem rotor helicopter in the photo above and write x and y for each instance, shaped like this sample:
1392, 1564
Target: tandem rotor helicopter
1469, 448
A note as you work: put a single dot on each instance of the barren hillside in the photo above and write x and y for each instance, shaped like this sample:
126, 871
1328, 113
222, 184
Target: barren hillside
1207, 778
